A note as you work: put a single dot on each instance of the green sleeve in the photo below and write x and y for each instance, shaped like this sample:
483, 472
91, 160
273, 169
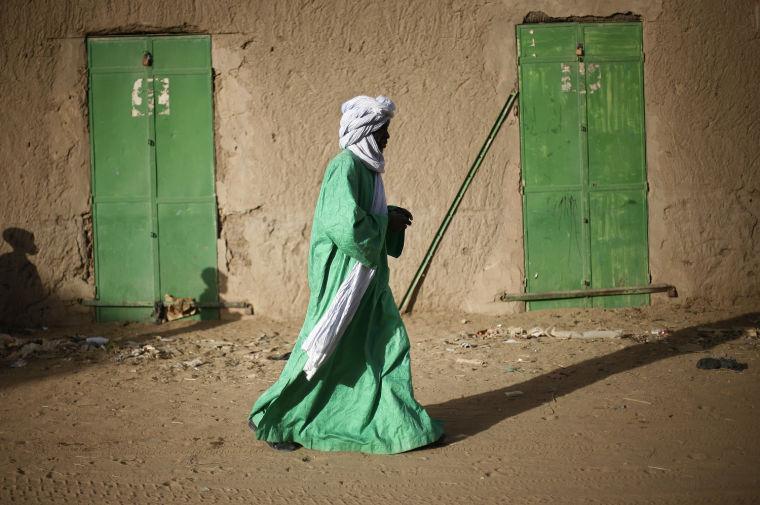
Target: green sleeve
394, 240
355, 232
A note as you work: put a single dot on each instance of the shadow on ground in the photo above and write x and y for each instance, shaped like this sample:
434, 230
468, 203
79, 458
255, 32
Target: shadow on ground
470, 415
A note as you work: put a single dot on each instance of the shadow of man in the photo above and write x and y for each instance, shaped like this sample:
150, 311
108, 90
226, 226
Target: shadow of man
22, 295
473, 414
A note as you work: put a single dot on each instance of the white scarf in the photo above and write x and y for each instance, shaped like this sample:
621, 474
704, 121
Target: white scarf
362, 116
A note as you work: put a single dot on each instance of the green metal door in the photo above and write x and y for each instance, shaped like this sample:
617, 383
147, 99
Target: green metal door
583, 162
154, 205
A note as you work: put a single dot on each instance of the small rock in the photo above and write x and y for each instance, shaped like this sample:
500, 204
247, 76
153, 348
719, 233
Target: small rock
465, 321
18, 363
511, 341
466, 345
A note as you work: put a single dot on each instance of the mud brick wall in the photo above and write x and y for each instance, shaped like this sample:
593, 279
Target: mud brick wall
281, 71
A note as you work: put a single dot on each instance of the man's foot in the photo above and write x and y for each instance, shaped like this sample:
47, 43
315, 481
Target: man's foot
284, 446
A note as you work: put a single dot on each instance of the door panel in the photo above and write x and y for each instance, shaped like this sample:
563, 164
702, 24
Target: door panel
554, 241
186, 255
185, 154
618, 230
549, 111
120, 135
614, 102
125, 258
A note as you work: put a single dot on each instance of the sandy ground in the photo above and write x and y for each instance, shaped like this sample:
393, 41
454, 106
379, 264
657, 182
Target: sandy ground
596, 420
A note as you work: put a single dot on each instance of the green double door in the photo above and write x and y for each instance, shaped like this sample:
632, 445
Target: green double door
583, 160
153, 198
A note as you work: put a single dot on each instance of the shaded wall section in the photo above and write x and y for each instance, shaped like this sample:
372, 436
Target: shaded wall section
283, 68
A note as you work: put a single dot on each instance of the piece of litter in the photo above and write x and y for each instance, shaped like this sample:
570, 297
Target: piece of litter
470, 361
716, 363
660, 332
510, 341
564, 334
97, 341
536, 332
637, 401
30, 348
466, 345
193, 363
515, 331
602, 334
659, 468
18, 363
513, 394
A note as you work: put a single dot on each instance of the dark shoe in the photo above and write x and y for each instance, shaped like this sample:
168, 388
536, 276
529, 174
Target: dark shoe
284, 446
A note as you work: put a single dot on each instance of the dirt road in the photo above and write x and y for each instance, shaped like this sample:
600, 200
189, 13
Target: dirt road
566, 416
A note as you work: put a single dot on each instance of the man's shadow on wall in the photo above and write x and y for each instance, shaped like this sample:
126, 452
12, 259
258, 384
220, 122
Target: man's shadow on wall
22, 296
470, 415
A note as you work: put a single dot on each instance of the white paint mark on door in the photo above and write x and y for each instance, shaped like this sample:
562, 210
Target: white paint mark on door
566, 82
136, 98
593, 68
151, 101
163, 98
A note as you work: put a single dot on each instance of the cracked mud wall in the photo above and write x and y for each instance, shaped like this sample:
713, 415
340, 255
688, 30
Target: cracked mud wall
283, 68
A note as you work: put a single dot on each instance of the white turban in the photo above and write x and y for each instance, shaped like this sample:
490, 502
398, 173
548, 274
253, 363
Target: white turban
362, 116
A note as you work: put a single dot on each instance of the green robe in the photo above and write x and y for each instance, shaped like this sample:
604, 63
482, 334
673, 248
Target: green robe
361, 398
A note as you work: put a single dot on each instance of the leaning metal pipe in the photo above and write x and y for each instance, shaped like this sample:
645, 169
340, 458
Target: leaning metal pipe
411, 293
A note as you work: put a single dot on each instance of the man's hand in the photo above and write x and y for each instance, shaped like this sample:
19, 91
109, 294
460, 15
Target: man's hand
399, 218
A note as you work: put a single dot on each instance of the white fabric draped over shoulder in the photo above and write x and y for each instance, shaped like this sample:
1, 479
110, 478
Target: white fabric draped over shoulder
362, 116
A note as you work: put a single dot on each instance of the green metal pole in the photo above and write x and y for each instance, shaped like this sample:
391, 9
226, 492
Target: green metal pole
411, 293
